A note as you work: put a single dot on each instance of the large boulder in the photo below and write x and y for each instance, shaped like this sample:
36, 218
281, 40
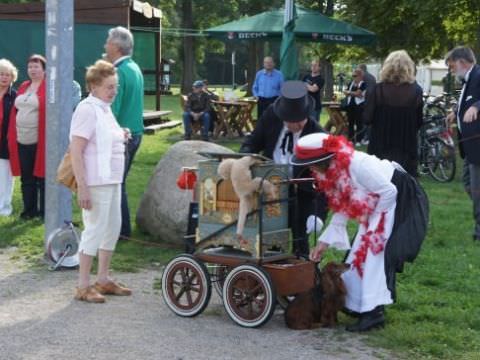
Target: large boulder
163, 210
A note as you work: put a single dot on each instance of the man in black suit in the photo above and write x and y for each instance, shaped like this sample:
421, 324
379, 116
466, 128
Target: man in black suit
275, 135
462, 63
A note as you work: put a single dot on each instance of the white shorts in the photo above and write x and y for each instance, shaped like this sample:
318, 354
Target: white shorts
103, 221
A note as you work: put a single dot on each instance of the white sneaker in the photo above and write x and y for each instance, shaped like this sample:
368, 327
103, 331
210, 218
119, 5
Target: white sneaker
358, 144
365, 142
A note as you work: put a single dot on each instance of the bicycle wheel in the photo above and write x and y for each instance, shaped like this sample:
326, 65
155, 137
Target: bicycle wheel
434, 110
441, 161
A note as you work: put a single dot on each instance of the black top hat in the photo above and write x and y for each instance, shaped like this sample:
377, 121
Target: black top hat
294, 104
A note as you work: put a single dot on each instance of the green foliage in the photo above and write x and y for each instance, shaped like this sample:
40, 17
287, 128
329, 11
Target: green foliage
426, 29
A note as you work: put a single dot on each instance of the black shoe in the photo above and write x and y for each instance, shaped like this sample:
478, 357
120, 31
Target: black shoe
351, 313
187, 137
205, 138
27, 215
369, 320
476, 238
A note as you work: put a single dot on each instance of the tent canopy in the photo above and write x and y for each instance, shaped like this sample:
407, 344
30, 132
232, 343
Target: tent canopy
309, 26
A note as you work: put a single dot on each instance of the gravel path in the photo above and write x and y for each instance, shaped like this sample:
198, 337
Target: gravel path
39, 320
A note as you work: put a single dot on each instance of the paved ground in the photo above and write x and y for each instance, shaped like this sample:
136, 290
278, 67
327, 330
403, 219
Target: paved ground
39, 320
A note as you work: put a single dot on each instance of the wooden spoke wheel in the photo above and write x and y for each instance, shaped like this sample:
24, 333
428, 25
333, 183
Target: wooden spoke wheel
249, 296
186, 286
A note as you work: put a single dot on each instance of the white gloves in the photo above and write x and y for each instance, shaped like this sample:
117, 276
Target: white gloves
314, 223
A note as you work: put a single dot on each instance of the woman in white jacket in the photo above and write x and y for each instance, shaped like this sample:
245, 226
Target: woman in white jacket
98, 157
390, 207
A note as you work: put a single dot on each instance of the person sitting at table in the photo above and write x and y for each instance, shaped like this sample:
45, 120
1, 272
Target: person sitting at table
197, 108
213, 97
275, 135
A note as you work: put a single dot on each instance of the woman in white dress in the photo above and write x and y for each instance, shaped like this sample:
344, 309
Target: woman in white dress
392, 212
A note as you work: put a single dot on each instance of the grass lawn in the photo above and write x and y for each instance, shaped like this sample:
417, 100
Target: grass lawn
437, 314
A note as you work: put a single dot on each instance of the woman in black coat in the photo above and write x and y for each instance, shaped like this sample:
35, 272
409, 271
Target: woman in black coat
394, 110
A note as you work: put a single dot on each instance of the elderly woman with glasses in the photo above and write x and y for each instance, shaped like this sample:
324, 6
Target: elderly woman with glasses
98, 157
8, 75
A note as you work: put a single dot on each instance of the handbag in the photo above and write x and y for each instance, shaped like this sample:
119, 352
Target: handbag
65, 175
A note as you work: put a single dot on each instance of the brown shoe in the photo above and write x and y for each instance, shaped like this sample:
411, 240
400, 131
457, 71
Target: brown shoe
89, 294
112, 288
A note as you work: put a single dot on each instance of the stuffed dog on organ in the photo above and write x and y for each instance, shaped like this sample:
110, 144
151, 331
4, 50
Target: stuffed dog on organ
238, 171
321, 304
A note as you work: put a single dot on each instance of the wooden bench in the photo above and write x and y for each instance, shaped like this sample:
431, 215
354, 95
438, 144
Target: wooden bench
153, 120
154, 116
151, 129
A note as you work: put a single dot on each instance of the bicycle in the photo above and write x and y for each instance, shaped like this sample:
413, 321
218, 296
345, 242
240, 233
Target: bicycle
436, 148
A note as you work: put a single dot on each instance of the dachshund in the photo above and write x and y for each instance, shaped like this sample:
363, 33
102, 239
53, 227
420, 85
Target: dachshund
319, 305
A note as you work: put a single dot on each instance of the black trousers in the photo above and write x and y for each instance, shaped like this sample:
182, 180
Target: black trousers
304, 203
356, 127
33, 187
130, 151
263, 104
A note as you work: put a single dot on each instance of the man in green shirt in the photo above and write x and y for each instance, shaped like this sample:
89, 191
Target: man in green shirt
128, 104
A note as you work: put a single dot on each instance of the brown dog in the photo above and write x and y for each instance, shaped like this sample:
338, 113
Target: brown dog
320, 305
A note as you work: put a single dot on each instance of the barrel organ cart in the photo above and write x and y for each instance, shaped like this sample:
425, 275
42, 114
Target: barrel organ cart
250, 274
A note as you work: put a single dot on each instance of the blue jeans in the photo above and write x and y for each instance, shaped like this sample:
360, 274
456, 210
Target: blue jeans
130, 151
204, 120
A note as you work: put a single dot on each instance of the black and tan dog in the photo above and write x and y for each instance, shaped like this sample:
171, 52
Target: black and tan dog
321, 304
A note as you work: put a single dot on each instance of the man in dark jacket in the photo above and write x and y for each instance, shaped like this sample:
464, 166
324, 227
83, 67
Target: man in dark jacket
197, 108
462, 63
275, 135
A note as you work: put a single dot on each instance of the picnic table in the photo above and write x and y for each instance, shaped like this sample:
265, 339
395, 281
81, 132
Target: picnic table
233, 116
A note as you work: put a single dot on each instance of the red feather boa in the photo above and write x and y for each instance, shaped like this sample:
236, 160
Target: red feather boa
343, 198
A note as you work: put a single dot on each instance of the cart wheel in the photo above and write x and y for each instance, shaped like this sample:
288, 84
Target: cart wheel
249, 296
186, 286
219, 274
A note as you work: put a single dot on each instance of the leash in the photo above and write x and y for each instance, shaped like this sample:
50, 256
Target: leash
149, 243
473, 137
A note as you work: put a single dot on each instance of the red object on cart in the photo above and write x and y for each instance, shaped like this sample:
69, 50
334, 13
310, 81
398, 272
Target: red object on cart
187, 179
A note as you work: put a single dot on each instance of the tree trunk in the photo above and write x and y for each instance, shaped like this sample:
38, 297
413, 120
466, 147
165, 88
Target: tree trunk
188, 48
252, 65
255, 61
329, 8
327, 73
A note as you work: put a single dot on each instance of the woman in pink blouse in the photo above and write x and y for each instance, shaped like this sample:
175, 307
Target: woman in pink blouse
97, 149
